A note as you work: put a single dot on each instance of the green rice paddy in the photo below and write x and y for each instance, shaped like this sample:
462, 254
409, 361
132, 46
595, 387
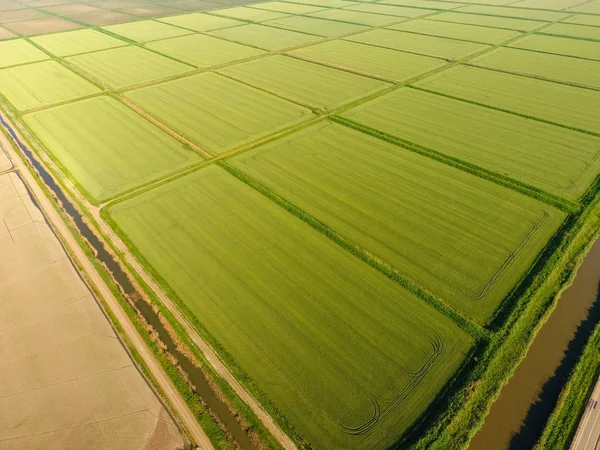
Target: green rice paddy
205, 106
267, 38
201, 22
574, 31
255, 275
451, 30
312, 25
560, 46
19, 52
146, 30
111, 150
78, 41
507, 23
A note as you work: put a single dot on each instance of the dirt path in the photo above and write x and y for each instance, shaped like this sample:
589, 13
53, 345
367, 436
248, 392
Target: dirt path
176, 402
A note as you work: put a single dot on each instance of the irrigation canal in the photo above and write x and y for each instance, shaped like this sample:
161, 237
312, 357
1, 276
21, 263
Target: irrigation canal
517, 418
196, 376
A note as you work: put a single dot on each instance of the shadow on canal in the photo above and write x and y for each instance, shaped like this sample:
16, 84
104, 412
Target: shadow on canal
540, 411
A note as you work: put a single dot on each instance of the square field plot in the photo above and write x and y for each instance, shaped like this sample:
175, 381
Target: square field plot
573, 30
560, 46
419, 43
565, 69
304, 82
201, 50
42, 26
312, 25
268, 38
216, 112
111, 150
41, 84
248, 14
567, 105
358, 341
128, 66
19, 51
488, 21
79, 41
382, 62
474, 33
146, 30
558, 160
201, 22
469, 247
361, 18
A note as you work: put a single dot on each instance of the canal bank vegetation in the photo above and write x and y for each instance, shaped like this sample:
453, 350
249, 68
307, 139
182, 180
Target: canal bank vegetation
563, 423
259, 435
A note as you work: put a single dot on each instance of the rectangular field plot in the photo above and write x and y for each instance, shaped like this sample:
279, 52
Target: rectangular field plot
470, 249
383, 62
290, 8
61, 363
51, 24
361, 18
558, 160
146, 30
567, 105
556, 5
78, 41
368, 356
124, 67
248, 14
390, 10
203, 51
111, 150
560, 46
268, 38
19, 52
417, 43
41, 84
304, 82
582, 19
451, 30
574, 30
592, 7
216, 112
201, 22
519, 13
312, 25
488, 21
443, 5
552, 67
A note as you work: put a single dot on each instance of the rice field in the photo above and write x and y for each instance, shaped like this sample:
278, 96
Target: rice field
519, 13
146, 30
559, 68
40, 84
387, 200
286, 7
585, 20
592, 7
361, 18
250, 14
390, 10
112, 149
421, 44
474, 33
203, 107
202, 51
507, 23
560, 46
574, 31
374, 61
304, 82
567, 105
19, 51
312, 25
267, 38
560, 161
201, 22
78, 41
392, 355
124, 67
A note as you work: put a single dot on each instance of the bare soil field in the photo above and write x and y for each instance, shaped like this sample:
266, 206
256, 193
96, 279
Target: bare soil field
66, 381
41, 26
5, 34
100, 18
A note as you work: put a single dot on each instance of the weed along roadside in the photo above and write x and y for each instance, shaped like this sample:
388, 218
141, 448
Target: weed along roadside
199, 383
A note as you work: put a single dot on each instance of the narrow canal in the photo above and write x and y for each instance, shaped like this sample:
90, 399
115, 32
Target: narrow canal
517, 418
195, 375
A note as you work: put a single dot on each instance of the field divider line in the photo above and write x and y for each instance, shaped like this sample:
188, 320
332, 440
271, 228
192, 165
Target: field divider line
583, 58
472, 328
495, 177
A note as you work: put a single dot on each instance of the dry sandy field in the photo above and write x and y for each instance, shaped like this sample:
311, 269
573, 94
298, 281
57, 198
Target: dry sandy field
66, 381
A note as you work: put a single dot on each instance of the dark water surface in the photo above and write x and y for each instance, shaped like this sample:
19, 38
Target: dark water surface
517, 418
195, 375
